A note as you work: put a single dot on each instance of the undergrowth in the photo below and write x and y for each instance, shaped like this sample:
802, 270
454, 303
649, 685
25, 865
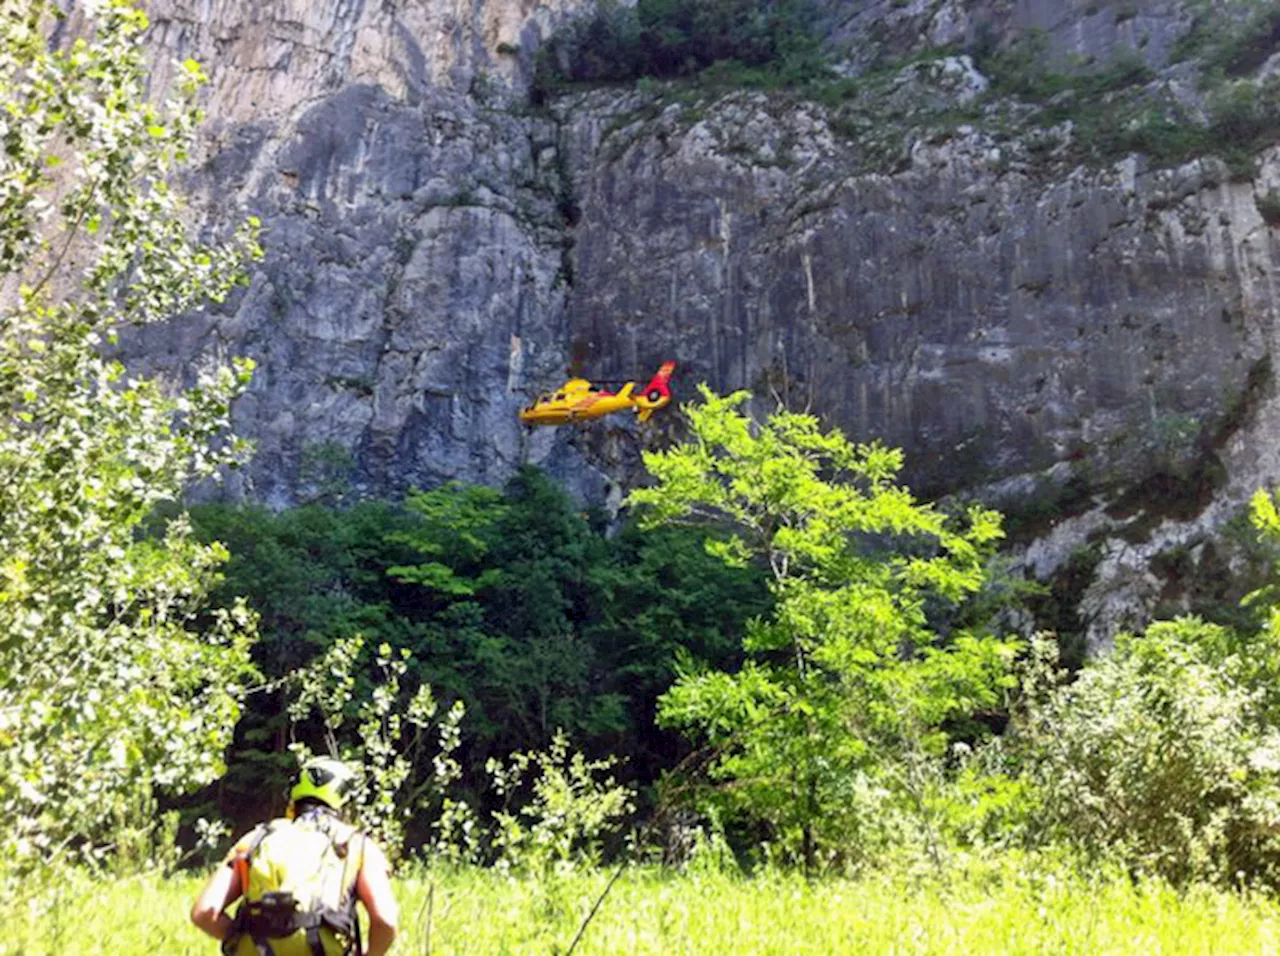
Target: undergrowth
1008, 910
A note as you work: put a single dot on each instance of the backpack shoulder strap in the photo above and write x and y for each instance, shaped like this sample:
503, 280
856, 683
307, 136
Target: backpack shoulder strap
244, 851
255, 837
355, 863
353, 857
349, 844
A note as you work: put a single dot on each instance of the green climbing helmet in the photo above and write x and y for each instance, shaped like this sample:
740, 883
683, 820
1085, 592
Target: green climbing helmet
325, 779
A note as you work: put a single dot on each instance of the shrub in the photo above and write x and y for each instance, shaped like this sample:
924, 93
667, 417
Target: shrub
557, 807
1237, 46
401, 772
1160, 755
1027, 69
1269, 207
1239, 114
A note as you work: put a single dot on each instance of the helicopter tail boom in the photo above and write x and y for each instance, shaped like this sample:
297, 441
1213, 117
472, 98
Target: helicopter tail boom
656, 394
657, 387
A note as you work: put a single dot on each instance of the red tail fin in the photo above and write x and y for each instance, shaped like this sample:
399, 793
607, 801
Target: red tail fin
657, 387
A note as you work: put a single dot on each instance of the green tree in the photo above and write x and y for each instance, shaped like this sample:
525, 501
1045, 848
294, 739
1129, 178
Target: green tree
663, 600
313, 576
114, 679
508, 579
843, 701
540, 623
513, 601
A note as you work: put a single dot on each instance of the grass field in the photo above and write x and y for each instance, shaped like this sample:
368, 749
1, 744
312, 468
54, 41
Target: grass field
480, 912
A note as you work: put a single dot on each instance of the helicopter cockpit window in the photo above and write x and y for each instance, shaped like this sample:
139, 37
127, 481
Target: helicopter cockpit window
559, 396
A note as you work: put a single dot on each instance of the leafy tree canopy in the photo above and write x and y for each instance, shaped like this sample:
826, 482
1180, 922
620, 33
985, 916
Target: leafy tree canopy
513, 601
846, 686
113, 679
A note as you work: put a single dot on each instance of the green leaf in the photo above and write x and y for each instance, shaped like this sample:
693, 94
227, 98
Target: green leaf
125, 679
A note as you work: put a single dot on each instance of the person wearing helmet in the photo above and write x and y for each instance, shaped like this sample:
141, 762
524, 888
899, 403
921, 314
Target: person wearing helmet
299, 879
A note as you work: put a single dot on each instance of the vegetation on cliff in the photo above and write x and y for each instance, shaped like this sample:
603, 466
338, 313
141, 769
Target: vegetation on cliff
1054, 110
667, 39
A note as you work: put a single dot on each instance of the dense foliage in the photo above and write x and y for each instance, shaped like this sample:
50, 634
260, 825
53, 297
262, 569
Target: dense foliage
815, 635
673, 38
513, 602
848, 688
1160, 755
312, 576
113, 680
820, 637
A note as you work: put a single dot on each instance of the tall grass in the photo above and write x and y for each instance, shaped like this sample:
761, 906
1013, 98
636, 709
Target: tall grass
480, 912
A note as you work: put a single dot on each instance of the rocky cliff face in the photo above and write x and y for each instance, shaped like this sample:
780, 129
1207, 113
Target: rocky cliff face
416, 245
1086, 344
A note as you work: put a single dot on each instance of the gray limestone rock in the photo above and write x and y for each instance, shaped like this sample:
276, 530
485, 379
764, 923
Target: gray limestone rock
1020, 324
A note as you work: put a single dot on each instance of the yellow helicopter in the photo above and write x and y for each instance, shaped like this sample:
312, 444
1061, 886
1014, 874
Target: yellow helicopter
579, 401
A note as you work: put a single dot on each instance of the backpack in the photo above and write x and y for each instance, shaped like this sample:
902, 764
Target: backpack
298, 880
